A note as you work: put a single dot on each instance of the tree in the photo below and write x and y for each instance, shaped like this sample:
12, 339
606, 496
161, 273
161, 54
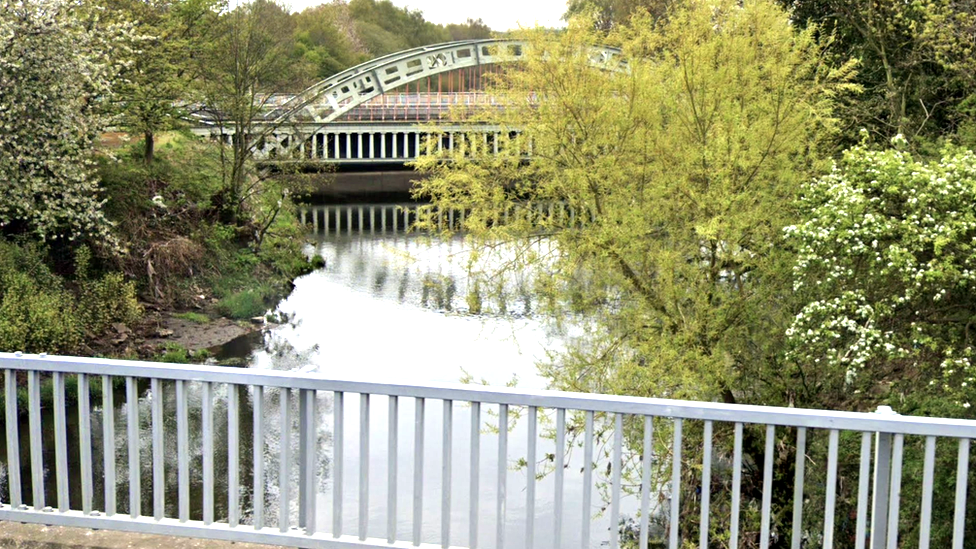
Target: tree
688, 159
157, 82
886, 271
385, 28
246, 63
57, 66
326, 39
904, 48
677, 163
472, 29
953, 35
608, 14
886, 261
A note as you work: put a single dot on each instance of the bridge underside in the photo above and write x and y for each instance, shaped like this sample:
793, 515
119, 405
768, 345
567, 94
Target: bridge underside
375, 185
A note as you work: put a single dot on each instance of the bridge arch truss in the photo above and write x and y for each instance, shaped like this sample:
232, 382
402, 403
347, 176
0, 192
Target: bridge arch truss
302, 117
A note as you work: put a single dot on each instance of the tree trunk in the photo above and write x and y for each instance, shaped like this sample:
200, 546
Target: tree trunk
150, 144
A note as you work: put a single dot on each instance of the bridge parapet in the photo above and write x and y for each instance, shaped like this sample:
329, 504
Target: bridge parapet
363, 142
655, 436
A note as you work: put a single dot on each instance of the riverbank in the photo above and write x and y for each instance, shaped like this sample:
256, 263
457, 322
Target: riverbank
191, 265
169, 334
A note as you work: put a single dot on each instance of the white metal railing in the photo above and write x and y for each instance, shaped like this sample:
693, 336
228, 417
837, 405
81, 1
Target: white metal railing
630, 418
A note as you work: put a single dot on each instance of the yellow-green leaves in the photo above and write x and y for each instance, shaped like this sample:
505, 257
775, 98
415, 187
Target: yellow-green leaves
676, 164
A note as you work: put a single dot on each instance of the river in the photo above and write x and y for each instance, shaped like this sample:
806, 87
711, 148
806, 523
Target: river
394, 308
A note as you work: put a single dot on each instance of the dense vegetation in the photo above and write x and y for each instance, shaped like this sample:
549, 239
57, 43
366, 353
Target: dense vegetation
777, 198
90, 237
779, 209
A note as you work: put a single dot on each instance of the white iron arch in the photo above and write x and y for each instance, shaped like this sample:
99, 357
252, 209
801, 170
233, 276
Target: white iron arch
329, 99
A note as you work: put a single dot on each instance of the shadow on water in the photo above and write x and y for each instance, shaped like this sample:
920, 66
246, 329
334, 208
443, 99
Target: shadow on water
238, 351
144, 449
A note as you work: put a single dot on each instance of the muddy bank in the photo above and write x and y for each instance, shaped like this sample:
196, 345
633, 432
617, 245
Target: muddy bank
161, 330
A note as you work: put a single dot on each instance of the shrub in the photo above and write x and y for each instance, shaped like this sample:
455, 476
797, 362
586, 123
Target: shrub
106, 301
36, 319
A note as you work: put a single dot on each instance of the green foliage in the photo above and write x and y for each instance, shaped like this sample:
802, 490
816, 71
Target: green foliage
244, 304
39, 312
159, 209
169, 215
106, 301
916, 61
335, 36
185, 177
156, 82
886, 258
679, 169
36, 319
175, 353
326, 39
36, 313
385, 28
884, 269
608, 14
472, 29
678, 164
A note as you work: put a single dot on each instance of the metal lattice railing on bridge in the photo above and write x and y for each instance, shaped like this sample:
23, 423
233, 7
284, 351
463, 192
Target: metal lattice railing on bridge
183, 500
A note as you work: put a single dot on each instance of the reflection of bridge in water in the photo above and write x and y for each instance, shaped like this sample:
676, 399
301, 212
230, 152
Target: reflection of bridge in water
384, 219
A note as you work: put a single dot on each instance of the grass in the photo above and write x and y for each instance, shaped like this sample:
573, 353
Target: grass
243, 305
198, 318
175, 353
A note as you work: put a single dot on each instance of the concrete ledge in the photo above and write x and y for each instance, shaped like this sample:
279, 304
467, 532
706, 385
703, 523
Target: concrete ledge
371, 186
14, 535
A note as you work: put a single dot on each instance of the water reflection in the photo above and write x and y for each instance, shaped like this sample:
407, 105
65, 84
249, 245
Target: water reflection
402, 309
388, 308
120, 452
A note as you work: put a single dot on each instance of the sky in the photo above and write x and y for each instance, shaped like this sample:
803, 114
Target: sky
500, 15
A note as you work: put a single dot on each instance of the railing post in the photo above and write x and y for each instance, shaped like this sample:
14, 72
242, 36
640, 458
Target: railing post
882, 485
309, 460
302, 457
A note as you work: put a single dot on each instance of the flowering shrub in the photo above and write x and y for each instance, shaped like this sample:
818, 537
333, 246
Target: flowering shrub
56, 70
887, 264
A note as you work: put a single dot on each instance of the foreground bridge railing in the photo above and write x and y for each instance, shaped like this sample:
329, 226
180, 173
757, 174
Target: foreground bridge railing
168, 390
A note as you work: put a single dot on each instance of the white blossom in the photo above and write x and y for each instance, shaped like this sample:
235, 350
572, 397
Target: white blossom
56, 71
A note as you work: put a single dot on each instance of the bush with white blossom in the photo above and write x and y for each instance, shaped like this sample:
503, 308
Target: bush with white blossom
886, 264
56, 70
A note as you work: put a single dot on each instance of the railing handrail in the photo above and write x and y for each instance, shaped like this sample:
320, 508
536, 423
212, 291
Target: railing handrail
714, 411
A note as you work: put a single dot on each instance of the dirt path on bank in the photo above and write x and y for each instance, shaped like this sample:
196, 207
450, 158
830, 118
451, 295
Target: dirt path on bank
33, 536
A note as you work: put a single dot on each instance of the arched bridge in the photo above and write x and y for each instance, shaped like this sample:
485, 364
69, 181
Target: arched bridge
369, 114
